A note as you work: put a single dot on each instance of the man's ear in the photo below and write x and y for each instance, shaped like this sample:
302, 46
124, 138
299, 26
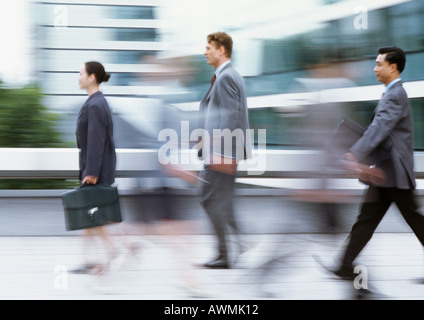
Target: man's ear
393, 67
222, 50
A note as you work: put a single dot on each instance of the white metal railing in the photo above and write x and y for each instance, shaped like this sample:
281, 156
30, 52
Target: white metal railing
279, 170
63, 163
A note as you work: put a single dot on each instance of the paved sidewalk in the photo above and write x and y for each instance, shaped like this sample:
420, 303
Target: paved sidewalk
278, 266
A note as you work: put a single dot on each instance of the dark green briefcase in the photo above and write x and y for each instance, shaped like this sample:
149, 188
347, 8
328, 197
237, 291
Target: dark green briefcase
91, 206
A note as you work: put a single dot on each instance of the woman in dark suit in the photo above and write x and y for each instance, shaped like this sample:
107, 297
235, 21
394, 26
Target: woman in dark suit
97, 158
95, 129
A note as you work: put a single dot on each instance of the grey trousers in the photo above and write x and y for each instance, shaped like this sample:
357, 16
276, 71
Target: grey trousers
217, 200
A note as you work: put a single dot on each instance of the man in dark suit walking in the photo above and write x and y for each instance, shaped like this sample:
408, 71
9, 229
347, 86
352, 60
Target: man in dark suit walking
224, 118
392, 121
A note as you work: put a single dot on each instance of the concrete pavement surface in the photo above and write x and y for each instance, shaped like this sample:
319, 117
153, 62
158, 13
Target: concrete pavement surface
276, 267
283, 238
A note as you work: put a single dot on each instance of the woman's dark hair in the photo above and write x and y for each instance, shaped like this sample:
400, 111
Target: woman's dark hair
96, 68
394, 55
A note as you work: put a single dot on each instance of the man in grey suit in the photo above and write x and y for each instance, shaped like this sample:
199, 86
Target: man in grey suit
392, 120
224, 118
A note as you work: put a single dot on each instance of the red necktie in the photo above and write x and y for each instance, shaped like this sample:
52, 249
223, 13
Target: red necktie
213, 79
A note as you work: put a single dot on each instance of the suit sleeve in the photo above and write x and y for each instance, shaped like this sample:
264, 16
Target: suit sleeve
229, 109
229, 96
382, 125
96, 139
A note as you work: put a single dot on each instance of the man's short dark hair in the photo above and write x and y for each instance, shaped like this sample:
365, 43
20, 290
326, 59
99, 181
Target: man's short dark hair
394, 55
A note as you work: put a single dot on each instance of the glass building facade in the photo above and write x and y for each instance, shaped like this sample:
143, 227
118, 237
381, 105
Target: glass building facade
340, 48
122, 35
351, 53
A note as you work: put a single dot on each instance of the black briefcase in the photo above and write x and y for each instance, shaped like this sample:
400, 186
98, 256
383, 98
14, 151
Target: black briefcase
91, 206
346, 136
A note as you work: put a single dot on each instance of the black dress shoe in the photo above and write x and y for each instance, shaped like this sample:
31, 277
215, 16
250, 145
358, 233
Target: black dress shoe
217, 264
364, 294
345, 273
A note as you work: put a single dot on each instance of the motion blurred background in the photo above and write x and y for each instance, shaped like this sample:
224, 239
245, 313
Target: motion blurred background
307, 64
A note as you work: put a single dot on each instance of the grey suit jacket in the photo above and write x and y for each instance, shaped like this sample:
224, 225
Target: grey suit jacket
224, 110
392, 120
95, 140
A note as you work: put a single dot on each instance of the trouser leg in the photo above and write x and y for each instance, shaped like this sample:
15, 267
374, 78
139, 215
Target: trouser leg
375, 205
408, 207
217, 200
218, 225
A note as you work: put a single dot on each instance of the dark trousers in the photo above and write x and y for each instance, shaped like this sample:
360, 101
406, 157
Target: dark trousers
217, 200
375, 205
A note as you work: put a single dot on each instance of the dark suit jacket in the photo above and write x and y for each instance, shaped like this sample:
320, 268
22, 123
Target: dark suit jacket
95, 140
224, 108
392, 120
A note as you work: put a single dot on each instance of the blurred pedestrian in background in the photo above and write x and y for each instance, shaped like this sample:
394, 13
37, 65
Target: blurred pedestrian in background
158, 209
174, 222
320, 119
224, 108
391, 121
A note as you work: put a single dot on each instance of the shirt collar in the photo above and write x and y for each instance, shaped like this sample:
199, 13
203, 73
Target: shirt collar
392, 83
219, 69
